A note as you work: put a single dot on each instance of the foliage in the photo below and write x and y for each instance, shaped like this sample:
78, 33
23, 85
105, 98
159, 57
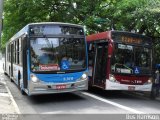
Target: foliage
140, 16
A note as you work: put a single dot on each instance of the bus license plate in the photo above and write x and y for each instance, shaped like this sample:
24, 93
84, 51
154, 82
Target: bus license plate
59, 87
132, 88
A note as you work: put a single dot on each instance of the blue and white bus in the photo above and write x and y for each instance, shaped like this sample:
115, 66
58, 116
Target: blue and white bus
49, 57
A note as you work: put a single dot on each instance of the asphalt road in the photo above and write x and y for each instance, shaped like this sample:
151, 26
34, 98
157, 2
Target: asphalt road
94, 101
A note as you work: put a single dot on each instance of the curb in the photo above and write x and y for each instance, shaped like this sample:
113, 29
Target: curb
13, 101
5, 92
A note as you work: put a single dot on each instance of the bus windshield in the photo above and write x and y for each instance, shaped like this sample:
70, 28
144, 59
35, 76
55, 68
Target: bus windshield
130, 59
57, 54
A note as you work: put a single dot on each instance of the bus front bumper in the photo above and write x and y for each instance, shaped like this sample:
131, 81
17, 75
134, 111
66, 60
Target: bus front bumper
49, 88
117, 86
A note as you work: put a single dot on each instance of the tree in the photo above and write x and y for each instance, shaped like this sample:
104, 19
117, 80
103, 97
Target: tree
140, 16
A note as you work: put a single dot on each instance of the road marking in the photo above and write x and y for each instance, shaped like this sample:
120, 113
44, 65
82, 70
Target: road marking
4, 95
113, 103
13, 101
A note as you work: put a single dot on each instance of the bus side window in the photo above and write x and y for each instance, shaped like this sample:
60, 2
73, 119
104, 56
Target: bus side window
8, 53
17, 51
9, 57
20, 51
14, 52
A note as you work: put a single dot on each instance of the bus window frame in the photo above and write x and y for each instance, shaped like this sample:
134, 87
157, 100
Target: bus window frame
138, 45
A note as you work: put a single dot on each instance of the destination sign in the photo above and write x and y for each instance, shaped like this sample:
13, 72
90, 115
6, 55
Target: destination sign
55, 30
127, 39
131, 38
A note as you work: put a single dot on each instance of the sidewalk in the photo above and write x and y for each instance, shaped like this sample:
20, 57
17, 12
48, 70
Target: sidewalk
7, 103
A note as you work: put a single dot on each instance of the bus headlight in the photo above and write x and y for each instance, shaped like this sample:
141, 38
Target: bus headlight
150, 80
84, 76
34, 78
112, 78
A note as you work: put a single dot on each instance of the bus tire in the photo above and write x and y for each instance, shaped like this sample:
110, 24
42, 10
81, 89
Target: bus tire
19, 86
10, 75
22, 92
5, 73
11, 80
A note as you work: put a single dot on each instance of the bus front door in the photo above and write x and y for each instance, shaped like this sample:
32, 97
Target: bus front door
100, 64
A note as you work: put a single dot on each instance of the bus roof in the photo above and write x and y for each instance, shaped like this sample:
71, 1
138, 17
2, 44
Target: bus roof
99, 36
107, 35
55, 23
24, 30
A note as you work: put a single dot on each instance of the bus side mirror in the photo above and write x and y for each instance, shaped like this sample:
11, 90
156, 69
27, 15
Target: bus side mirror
110, 50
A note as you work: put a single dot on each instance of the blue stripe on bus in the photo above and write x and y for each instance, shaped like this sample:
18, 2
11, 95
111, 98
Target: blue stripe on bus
59, 78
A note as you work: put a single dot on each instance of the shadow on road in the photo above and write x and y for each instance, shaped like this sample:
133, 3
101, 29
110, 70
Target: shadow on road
58, 97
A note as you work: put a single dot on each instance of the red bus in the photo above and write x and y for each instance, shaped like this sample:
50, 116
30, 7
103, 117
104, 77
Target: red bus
120, 61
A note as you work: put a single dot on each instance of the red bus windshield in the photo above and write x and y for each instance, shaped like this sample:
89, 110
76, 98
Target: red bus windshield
130, 59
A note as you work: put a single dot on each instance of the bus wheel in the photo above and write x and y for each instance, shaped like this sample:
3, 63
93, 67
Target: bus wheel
10, 75
21, 88
19, 84
11, 80
19, 81
22, 92
5, 73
